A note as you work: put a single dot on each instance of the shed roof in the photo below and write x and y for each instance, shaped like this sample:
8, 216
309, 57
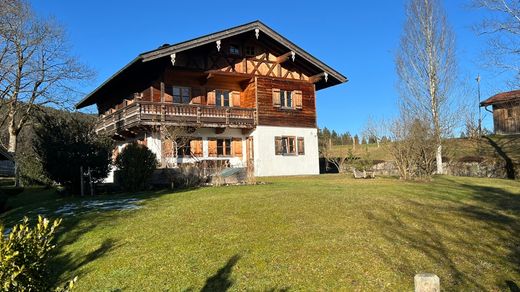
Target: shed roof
166, 50
502, 97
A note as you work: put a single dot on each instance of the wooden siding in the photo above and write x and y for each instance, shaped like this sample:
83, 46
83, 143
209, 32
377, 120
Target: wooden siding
268, 115
506, 118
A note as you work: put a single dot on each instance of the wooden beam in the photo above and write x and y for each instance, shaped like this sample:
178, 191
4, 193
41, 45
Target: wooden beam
285, 57
318, 77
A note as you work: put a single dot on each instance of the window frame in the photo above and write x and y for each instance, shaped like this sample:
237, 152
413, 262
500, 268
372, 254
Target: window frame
224, 147
286, 95
181, 95
234, 50
288, 146
250, 51
221, 102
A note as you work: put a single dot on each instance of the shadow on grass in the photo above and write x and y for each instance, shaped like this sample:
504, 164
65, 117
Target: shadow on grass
458, 238
499, 149
221, 280
65, 264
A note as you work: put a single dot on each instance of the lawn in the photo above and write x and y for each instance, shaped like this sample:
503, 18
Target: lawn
327, 232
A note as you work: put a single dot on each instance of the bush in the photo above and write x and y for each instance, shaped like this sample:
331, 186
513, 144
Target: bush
135, 165
24, 256
64, 144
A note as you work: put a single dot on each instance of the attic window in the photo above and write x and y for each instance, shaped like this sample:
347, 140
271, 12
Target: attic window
250, 51
234, 50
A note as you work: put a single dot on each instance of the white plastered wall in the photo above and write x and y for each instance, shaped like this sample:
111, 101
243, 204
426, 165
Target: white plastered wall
269, 164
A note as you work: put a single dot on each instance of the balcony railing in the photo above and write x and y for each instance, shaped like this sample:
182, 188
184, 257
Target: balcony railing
137, 113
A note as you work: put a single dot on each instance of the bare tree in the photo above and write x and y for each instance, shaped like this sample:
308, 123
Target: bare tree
374, 130
503, 28
36, 68
413, 147
426, 67
339, 157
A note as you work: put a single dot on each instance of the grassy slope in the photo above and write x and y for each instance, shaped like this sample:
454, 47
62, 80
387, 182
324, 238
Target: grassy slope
303, 233
491, 147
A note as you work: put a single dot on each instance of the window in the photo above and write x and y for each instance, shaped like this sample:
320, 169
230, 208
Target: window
286, 98
224, 147
222, 98
509, 113
250, 51
234, 50
183, 148
285, 145
179, 94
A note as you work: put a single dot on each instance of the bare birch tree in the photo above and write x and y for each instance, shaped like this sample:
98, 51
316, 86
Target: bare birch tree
502, 26
426, 67
36, 68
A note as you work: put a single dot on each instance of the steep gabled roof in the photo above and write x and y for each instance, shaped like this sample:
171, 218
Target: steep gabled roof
166, 51
502, 97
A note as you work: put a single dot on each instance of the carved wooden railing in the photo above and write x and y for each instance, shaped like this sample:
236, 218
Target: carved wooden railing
134, 113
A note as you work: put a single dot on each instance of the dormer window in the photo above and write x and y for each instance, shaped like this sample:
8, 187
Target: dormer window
234, 50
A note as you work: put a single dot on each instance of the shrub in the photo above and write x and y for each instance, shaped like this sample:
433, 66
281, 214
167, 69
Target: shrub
64, 144
135, 164
24, 257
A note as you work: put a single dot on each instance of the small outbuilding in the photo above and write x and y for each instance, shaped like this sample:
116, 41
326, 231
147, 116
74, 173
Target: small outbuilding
506, 112
6, 163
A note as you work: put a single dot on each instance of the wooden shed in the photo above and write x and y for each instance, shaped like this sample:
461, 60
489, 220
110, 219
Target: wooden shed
506, 112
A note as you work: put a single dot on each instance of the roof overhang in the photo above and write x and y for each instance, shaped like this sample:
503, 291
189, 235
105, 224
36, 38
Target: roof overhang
256, 27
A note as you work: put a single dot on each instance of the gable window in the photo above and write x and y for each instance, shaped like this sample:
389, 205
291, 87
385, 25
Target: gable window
224, 147
234, 50
222, 98
250, 51
285, 145
179, 94
286, 99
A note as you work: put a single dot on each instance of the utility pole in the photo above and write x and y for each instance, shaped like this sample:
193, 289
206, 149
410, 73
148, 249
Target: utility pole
479, 109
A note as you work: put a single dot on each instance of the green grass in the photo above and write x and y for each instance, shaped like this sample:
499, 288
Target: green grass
326, 232
494, 147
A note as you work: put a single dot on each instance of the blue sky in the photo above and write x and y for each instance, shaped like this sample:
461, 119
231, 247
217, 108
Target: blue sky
357, 38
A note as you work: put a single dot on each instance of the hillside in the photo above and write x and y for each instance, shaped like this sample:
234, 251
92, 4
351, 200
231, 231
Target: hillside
491, 147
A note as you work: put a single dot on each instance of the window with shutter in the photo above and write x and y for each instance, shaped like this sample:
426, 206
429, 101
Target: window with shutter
211, 97
222, 98
237, 147
196, 147
297, 97
212, 148
301, 146
235, 99
276, 97
278, 145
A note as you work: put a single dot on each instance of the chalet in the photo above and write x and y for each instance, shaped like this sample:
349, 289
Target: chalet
506, 112
246, 95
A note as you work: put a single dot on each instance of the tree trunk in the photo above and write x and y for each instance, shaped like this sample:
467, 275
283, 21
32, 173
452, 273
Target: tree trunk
13, 141
438, 159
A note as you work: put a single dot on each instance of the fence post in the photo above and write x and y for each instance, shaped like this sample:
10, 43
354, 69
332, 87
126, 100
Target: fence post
427, 283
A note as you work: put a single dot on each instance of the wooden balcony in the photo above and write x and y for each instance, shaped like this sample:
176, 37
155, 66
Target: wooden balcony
132, 114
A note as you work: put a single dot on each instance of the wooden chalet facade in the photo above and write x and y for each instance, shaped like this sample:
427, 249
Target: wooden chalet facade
506, 112
246, 94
